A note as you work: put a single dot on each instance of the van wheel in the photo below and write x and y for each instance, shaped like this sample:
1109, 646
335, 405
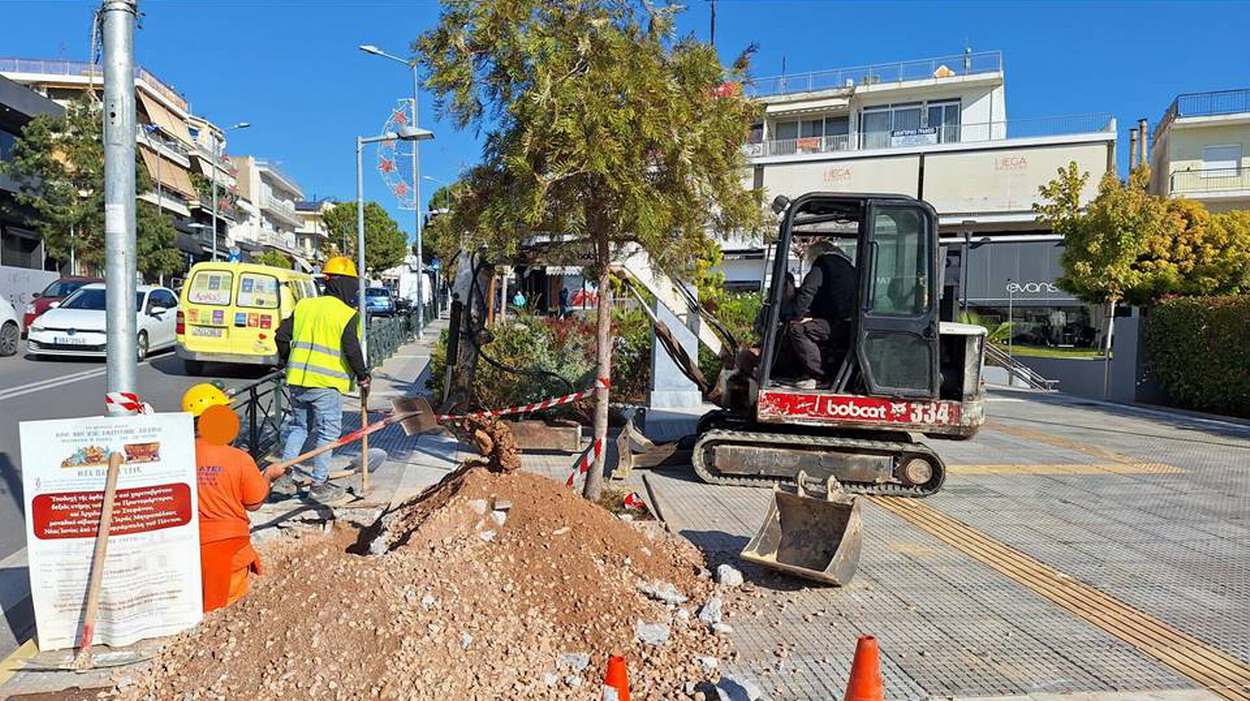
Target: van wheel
193, 367
141, 346
9, 335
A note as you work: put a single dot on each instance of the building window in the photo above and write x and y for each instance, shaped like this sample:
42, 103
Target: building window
7, 139
811, 135
878, 124
945, 117
1221, 161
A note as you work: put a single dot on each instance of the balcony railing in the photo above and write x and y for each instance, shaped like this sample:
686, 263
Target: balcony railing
282, 209
1210, 180
65, 67
956, 133
879, 73
1205, 104
275, 170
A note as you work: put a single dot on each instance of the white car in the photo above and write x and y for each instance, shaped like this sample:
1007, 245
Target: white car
76, 325
10, 328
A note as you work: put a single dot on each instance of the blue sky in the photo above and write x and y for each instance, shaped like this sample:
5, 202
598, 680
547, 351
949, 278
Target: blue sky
291, 67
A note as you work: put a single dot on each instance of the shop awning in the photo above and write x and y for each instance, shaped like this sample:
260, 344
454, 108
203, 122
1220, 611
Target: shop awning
170, 174
158, 115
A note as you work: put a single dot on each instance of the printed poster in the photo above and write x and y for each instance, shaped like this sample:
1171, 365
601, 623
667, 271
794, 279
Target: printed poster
151, 583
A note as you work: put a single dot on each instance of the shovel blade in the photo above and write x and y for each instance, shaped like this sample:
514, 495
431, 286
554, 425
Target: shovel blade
816, 537
415, 415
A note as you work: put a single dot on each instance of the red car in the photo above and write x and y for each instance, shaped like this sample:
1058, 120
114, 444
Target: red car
54, 292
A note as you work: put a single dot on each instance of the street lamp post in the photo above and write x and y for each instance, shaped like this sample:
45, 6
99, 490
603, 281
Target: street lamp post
408, 133
416, 177
216, 164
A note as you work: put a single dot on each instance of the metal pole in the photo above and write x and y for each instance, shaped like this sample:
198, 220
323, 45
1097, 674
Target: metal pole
216, 160
118, 19
360, 245
416, 207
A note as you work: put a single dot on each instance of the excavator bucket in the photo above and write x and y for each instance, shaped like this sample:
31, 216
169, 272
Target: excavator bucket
810, 535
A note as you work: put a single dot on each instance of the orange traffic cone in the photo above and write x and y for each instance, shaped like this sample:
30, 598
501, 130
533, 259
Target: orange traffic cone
865, 683
616, 681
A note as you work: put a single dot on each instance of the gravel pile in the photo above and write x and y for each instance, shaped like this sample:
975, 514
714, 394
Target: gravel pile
486, 586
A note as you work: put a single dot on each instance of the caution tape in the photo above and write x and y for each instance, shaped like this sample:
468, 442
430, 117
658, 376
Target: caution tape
125, 404
585, 461
601, 383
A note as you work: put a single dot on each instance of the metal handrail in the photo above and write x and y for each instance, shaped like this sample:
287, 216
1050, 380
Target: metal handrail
1235, 178
39, 66
1205, 104
1015, 368
262, 404
938, 67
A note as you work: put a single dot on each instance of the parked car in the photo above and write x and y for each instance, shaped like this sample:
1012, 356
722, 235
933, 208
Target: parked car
379, 301
56, 291
77, 325
10, 332
231, 312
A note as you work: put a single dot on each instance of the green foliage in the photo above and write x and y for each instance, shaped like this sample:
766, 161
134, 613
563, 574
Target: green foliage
58, 163
1131, 245
997, 333
737, 312
386, 245
274, 259
602, 127
1198, 348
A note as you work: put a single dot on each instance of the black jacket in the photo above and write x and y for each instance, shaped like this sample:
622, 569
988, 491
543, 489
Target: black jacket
828, 290
344, 289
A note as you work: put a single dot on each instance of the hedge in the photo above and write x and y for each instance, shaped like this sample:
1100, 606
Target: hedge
1198, 349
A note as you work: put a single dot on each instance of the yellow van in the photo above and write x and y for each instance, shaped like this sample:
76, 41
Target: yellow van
229, 312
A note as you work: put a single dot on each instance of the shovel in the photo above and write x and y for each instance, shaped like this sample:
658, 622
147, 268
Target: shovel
812, 536
413, 414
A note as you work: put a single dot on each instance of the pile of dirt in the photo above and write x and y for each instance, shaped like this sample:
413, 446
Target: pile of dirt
486, 586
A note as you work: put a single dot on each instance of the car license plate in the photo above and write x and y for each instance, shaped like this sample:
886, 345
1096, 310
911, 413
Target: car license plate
69, 340
206, 331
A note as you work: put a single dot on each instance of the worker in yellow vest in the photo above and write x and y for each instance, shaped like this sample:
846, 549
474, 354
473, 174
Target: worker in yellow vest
320, 343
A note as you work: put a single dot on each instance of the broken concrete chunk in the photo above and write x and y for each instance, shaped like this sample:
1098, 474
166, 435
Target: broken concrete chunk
729, 576
550, 679
683, 614
722, 628
478, 506
498, 517
707, 663
487, 536
651, 633
575, 661
712, 611
625, 517
662, 591
428, 602
465, 641
573, 681
502, 504
561, 531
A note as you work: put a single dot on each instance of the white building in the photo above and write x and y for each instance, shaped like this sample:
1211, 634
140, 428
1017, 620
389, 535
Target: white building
936, 129
1201, 149
269, 219
312, 235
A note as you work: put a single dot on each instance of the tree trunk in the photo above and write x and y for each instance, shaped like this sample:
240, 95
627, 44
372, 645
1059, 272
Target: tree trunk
603, 354
460, 375
1106, 354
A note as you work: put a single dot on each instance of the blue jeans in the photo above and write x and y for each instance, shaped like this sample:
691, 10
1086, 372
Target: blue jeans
317, 411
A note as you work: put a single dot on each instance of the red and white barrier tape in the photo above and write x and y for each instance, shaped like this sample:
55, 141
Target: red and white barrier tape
125, 404
601, 383
587, 460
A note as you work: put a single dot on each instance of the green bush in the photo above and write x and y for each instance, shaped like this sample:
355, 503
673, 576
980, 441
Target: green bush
1198, 348
737, 312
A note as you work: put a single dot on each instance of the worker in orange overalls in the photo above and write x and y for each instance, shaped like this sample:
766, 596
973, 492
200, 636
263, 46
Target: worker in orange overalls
229, 485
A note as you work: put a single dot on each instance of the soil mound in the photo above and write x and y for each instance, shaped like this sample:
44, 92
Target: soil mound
485, 586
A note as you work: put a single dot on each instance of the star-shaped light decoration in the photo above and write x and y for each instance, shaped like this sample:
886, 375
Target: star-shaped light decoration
386, 165
401, 189
399, 117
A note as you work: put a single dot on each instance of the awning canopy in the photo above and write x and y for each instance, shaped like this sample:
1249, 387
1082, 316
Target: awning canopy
158, 115
807, 106
169, 173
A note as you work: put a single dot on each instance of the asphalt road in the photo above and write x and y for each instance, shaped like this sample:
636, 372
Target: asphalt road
67, 387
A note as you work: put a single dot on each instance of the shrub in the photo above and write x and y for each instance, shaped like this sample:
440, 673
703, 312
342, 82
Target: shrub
1198, 348
737, 312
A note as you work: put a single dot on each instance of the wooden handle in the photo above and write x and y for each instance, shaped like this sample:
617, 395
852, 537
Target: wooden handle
364, 442
97, 556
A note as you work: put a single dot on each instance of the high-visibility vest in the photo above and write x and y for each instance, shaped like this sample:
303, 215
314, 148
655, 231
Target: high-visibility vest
316, 358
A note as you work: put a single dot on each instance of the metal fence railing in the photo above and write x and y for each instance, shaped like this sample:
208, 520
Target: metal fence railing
386, 335
65, 67
1236, 178
946, 134
1205, 104
872, 74
261, 405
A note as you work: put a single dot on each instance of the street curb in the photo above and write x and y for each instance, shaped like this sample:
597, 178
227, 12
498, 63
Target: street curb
10, 665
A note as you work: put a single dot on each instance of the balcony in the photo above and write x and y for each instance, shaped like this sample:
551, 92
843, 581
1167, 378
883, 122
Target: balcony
285, 181
282, 210
1205, 104
83, 69
938, 67
932, 136
1210, 182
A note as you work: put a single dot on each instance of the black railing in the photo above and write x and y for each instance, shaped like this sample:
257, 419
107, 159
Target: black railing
1205, 104
261, 405
388, 334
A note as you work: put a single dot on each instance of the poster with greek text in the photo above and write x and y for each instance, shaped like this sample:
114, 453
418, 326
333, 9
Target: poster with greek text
151, 583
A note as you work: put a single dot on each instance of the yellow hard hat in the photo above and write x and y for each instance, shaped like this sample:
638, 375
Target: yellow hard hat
340, 265
201, 397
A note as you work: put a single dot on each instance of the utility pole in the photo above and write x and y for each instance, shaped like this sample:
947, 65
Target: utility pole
712, 33
416, 204
118, 19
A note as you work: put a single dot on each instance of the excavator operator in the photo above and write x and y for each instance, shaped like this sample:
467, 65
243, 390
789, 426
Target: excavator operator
822, 314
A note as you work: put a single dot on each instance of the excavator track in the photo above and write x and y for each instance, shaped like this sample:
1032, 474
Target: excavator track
702, 455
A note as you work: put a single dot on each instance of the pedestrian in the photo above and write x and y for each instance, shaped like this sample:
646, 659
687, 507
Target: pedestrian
564, 302
228, 485
320, 344
518, 300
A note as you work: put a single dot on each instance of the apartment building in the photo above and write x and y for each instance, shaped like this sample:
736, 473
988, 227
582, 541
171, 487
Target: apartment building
24, 268
312, 235
269, 219
1201, 149
936, 129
